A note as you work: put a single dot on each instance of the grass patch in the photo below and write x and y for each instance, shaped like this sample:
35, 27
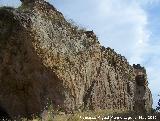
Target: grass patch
99, 115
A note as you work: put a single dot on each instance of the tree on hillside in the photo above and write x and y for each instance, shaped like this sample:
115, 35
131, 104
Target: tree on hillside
158, 107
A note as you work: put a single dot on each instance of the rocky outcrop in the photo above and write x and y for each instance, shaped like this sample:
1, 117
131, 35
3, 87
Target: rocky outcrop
46, 60
143, 97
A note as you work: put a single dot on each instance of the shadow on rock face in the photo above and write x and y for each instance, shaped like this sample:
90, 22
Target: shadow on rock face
4, 115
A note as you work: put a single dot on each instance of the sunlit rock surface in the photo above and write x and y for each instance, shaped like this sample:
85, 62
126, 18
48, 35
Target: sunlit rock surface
46, 60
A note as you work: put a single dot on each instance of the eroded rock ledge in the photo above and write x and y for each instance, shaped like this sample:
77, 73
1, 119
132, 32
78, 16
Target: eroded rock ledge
45, 60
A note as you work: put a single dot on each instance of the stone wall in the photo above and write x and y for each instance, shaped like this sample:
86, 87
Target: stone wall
45, 60
143, 97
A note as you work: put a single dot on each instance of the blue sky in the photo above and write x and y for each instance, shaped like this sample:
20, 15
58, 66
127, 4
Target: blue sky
131, 27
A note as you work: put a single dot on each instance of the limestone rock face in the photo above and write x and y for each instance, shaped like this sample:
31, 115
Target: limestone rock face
46, 60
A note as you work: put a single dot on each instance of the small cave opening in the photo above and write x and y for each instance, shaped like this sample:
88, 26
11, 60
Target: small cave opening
3, 114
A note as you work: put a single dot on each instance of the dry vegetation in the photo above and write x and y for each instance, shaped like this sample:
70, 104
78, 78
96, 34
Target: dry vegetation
98, 114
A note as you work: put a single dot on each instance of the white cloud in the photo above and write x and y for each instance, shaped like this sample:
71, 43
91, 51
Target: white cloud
145, 2
120, 25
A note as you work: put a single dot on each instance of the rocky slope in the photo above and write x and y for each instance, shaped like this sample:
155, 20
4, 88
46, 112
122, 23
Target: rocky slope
46, 60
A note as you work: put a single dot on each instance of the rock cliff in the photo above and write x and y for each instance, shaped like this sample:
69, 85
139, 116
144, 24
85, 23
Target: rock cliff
46, 60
